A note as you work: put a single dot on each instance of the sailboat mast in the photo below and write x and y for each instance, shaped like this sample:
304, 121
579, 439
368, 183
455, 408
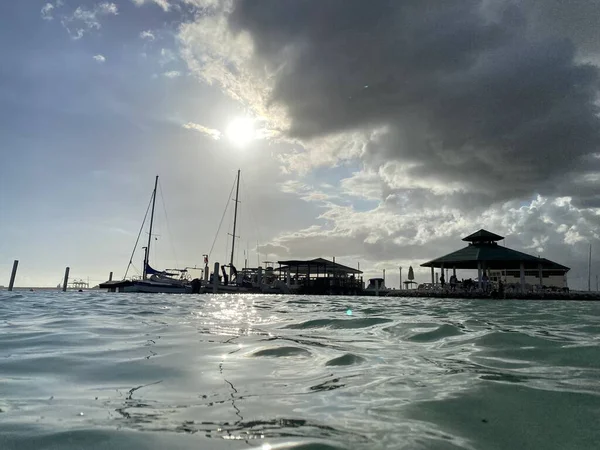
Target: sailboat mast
237, 193
150, 231
590, 270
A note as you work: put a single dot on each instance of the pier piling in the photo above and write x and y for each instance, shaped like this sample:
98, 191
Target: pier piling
215, 280
13, 275
66, 280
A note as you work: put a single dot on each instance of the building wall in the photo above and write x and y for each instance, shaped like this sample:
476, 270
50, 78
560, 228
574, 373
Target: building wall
552, 279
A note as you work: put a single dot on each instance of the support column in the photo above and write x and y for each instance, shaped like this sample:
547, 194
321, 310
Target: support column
288, 278
454, 271
522, 272
13, 274
432, 277
541, 275
479, 274
400, 278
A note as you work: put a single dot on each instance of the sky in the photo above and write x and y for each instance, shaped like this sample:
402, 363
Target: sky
378, 132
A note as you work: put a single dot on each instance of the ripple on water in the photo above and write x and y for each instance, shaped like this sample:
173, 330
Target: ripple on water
338, 323
345, 360
441, 332
278, 352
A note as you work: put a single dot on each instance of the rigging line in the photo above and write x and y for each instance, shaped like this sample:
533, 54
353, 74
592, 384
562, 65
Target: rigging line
222, 217
138, 237
258, 234
167, 221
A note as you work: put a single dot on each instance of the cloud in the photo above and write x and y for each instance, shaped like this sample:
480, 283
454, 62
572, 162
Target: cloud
210, 132
147, 35
172, 74
164, 4
461, 98
100, 58
47, 11
83, 20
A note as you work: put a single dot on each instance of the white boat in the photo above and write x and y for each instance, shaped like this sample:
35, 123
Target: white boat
174, 281
376, 287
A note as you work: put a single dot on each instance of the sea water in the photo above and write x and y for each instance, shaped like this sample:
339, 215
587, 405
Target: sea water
95, 370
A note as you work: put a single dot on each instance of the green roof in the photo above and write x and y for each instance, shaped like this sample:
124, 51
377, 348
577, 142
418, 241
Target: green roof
494, 256
483, 235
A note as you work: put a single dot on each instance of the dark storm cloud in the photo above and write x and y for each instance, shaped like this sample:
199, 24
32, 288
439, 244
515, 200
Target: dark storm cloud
467, 95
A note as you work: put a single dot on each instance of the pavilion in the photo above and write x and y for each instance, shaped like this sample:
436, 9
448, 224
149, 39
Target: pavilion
318, 276
484, 254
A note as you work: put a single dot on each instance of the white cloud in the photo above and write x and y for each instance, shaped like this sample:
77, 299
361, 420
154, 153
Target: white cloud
47, 11
147, 35
83, 20
108, 8
100, 58
172, 74
210, 132
164, 4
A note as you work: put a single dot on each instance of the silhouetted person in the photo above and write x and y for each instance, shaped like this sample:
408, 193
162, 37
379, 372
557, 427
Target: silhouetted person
453, 282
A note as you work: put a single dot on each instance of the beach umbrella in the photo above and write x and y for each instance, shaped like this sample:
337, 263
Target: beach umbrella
411, 273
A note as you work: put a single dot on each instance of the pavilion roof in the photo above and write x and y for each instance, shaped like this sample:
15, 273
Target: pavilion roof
494, 256
312, 265
483, 236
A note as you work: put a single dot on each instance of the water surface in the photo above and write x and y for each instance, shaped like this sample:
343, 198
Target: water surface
109, 371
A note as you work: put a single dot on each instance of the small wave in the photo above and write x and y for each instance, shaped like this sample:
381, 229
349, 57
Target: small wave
282, 352
442, 332
345, 360
339, 323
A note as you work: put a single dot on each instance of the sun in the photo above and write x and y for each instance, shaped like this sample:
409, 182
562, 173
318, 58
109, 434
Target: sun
241, 131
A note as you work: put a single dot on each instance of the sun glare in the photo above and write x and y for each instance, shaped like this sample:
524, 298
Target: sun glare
241, 131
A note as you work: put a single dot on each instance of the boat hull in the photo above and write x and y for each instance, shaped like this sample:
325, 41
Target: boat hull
146, 286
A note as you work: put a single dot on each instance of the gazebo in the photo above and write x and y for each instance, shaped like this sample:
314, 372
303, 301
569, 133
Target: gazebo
484, 254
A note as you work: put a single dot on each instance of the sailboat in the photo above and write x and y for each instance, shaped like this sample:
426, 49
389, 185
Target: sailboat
238, 281
173, 281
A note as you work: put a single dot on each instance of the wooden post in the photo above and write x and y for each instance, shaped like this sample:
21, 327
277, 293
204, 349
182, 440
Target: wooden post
522, 276
215, 280
479, 274
541, 274
432, 276
110, 276
66, 280
13, 275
